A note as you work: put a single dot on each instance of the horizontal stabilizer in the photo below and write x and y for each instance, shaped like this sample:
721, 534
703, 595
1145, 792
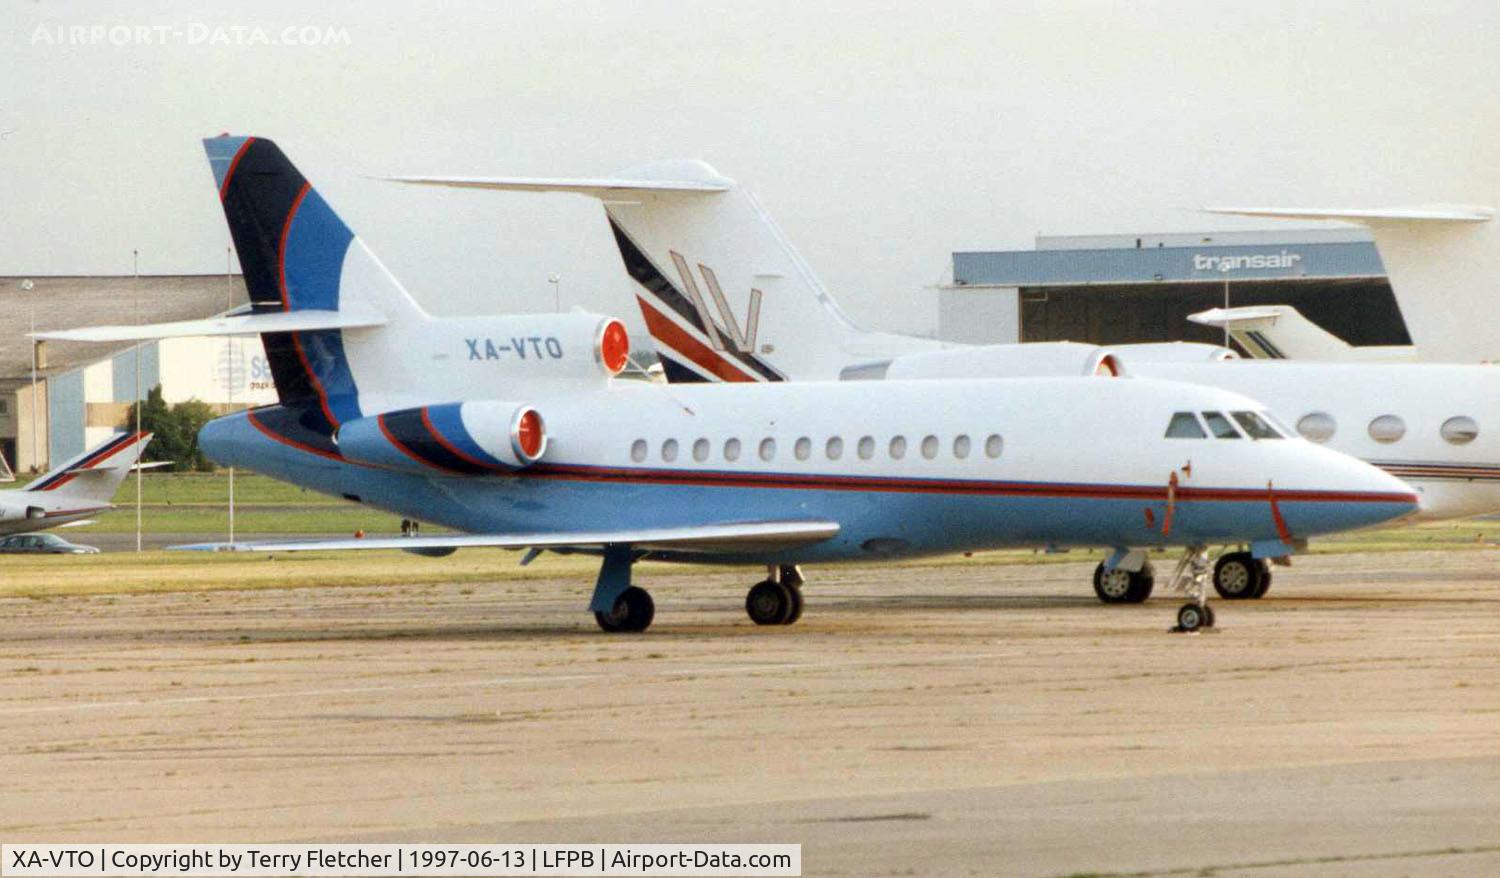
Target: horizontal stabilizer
245, 324
714, 538
1449, 213
1221, 317
597, 187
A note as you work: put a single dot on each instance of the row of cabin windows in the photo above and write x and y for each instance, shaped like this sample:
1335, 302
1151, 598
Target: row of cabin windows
1388, 429
833, 448
1314, 426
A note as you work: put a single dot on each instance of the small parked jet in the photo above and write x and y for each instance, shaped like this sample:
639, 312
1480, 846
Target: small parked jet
513, 430
80, 488
727, 298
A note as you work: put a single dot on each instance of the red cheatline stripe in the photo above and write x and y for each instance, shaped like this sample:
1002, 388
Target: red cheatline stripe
287, 440
673, 336
234, 163
286, 228
441, 440
404, 449
312, 377
941, 486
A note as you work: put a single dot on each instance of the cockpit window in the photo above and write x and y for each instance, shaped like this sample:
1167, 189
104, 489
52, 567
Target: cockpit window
1255, 426
1185, 425
1220, 426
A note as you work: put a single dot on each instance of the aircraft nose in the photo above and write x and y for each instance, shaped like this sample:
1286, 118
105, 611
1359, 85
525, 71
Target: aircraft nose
1359, 494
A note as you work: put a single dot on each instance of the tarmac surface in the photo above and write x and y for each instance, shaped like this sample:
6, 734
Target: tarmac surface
965, 719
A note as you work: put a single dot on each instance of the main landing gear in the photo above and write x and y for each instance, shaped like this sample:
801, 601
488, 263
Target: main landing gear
620, 607
1119, 586
776, 600
633, 610
1241, 576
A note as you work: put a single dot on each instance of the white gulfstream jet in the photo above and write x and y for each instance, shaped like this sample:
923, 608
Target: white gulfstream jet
513, 430
77, 490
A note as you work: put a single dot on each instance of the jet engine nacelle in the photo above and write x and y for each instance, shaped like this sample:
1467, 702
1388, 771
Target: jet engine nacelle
488, 437
544, 347
998, 361
1173, 352
9, 512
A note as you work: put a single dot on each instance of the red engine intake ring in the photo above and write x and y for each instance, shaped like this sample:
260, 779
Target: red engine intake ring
612, 346
528, 435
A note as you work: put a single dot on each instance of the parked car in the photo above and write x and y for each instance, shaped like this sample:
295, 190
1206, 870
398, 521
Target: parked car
42, 544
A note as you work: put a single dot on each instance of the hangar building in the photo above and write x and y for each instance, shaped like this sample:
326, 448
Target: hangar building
1116, 289
83, 391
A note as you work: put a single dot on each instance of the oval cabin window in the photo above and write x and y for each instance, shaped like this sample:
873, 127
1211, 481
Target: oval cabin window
803, 448
669, 450
898, 447
700, 450
929, 447
638, 450
768, 449
866, 447
1317, 427
835, 448
993, 445
1387, 429
1460, 430
960, 446
731, 449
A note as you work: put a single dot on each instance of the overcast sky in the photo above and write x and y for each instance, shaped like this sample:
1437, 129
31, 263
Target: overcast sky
882, 136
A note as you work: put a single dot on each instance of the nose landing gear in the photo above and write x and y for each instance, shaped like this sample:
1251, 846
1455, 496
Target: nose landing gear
1192, 577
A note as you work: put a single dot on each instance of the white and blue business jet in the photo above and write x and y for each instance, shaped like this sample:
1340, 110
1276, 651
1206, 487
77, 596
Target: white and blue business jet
515, 431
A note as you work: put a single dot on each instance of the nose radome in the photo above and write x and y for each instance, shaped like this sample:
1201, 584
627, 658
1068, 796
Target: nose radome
1378, 495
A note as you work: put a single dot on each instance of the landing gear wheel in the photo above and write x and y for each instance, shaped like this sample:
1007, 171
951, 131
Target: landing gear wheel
770, 603
1123, 587
1238, 576
1208, 616
796, 593
1265, 580
633, 611
1191, 617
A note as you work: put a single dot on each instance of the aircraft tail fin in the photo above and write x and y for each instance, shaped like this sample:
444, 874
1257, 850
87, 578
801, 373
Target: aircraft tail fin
95, 474
1443, 262
724, 294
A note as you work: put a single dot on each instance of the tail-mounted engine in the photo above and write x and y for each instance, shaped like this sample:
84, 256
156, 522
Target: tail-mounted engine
538, 347
467, 438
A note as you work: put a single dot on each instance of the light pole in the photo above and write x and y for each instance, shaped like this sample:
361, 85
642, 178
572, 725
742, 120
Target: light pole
28, 286
139, 472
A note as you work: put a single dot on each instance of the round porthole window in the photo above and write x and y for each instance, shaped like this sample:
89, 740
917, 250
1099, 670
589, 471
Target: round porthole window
1460, 430
1387, 429
1317, 427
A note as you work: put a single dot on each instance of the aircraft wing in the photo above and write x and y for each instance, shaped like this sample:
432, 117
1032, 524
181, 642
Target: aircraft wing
1452, 213
732, 537
237, 324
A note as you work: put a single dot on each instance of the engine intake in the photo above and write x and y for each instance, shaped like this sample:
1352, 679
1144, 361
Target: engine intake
468, 438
